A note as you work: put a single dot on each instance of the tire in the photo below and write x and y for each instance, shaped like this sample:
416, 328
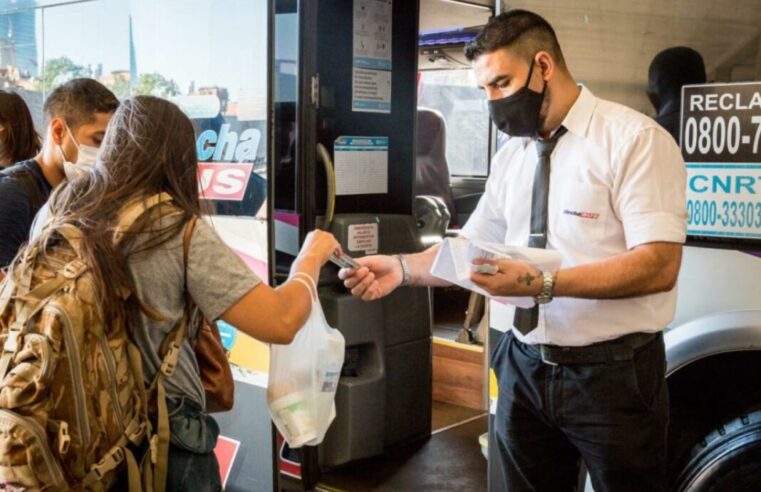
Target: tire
728, 459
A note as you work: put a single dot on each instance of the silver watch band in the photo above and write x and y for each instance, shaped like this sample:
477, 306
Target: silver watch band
405, 270
548, 284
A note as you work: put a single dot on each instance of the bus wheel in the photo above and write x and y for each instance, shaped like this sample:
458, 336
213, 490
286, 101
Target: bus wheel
728, 458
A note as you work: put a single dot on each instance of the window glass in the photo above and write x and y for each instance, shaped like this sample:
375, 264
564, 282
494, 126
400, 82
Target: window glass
286, 66
207, 56
455, 94
21, 57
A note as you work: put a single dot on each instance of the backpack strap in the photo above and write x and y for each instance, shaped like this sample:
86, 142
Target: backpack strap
160, 441
125, 220
187, 236
7, 288
132, 211
171, 356
119, 453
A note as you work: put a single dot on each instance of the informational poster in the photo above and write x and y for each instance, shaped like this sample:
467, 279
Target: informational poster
371, 84
721, 144
361, 165
371, 90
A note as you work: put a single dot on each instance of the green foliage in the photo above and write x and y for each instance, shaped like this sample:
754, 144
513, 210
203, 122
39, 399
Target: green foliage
156, 84
59, 70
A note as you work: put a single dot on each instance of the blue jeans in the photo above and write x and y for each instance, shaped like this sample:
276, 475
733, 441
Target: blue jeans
193, 465
612, 415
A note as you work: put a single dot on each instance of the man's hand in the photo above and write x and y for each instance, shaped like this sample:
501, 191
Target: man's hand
513, 279
378, 277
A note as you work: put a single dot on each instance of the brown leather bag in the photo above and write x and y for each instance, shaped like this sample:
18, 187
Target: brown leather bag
216, 376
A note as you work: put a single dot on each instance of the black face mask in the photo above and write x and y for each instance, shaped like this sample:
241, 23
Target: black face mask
518, 114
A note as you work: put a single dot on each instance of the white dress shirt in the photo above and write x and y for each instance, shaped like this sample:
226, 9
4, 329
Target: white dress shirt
617, 181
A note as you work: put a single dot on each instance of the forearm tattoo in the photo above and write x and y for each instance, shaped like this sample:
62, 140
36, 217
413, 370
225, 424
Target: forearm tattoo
526, 279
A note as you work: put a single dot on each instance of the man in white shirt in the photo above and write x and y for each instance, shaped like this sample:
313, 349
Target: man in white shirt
581, 374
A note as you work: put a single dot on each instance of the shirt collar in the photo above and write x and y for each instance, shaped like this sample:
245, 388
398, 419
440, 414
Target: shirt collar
578, 117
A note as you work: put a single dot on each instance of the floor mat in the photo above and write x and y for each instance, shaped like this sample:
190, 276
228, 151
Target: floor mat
449, 461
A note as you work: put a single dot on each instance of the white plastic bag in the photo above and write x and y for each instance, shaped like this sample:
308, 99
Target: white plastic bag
304, 376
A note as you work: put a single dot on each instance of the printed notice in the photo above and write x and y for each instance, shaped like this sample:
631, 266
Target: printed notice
371, 91
361, 165
363, 238
371, 77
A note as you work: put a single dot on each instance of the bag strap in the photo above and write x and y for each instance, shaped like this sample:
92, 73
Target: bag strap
187, 237
309, 283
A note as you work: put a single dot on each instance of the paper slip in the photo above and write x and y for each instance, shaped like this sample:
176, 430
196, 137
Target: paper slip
456, 255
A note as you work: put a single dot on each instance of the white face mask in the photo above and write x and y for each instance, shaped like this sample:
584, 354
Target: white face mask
86, 157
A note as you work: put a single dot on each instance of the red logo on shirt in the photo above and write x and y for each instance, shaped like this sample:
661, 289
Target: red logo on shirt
583, 215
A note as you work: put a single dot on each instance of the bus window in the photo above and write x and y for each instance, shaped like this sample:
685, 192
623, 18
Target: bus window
126, 47
455, 94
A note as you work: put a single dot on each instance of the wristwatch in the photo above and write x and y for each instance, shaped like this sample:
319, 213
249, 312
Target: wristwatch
545, 295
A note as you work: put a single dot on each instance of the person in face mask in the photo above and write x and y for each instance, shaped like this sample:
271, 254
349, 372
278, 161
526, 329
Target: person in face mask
86, 156
581, 364
76, 115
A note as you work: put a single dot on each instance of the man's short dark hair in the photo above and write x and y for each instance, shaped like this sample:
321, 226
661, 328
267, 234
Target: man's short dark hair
78, 100
521, 30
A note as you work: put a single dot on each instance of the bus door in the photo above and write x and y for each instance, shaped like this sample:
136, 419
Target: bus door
349, 148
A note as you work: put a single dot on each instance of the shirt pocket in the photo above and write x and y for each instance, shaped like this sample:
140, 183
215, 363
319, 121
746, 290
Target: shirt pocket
584, 210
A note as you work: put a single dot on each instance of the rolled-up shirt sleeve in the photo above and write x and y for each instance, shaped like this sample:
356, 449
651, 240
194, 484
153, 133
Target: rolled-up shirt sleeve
649, 191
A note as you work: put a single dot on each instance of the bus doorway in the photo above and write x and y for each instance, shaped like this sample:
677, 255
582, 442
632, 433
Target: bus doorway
412, 400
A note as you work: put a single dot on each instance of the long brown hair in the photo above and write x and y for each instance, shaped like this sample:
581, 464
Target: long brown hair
21, 141
149, 148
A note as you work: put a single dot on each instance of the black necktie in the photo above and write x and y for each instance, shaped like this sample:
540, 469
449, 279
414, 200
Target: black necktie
526, 319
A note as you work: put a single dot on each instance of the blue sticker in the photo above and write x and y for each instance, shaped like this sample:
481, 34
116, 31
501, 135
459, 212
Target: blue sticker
228, 333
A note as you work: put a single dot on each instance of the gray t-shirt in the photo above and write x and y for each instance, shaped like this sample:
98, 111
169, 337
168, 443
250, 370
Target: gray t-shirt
217, 279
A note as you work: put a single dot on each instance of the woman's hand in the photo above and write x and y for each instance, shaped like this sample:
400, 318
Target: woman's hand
320, 245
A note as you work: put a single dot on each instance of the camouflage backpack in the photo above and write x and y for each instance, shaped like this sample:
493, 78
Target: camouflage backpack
74, 411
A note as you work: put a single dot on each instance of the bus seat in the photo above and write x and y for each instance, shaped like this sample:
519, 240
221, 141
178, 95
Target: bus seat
432, 174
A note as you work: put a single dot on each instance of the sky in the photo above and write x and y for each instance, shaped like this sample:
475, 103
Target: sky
207, 42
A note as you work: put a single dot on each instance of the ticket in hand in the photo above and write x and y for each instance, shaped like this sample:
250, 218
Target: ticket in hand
486, 269
345, 261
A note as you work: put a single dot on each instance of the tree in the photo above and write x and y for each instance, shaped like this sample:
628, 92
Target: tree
119, 86
156, 84
56, 71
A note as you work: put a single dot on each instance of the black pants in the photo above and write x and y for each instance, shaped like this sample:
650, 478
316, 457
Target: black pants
611, 415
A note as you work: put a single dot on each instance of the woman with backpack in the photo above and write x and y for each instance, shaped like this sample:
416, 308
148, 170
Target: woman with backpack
149, 151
